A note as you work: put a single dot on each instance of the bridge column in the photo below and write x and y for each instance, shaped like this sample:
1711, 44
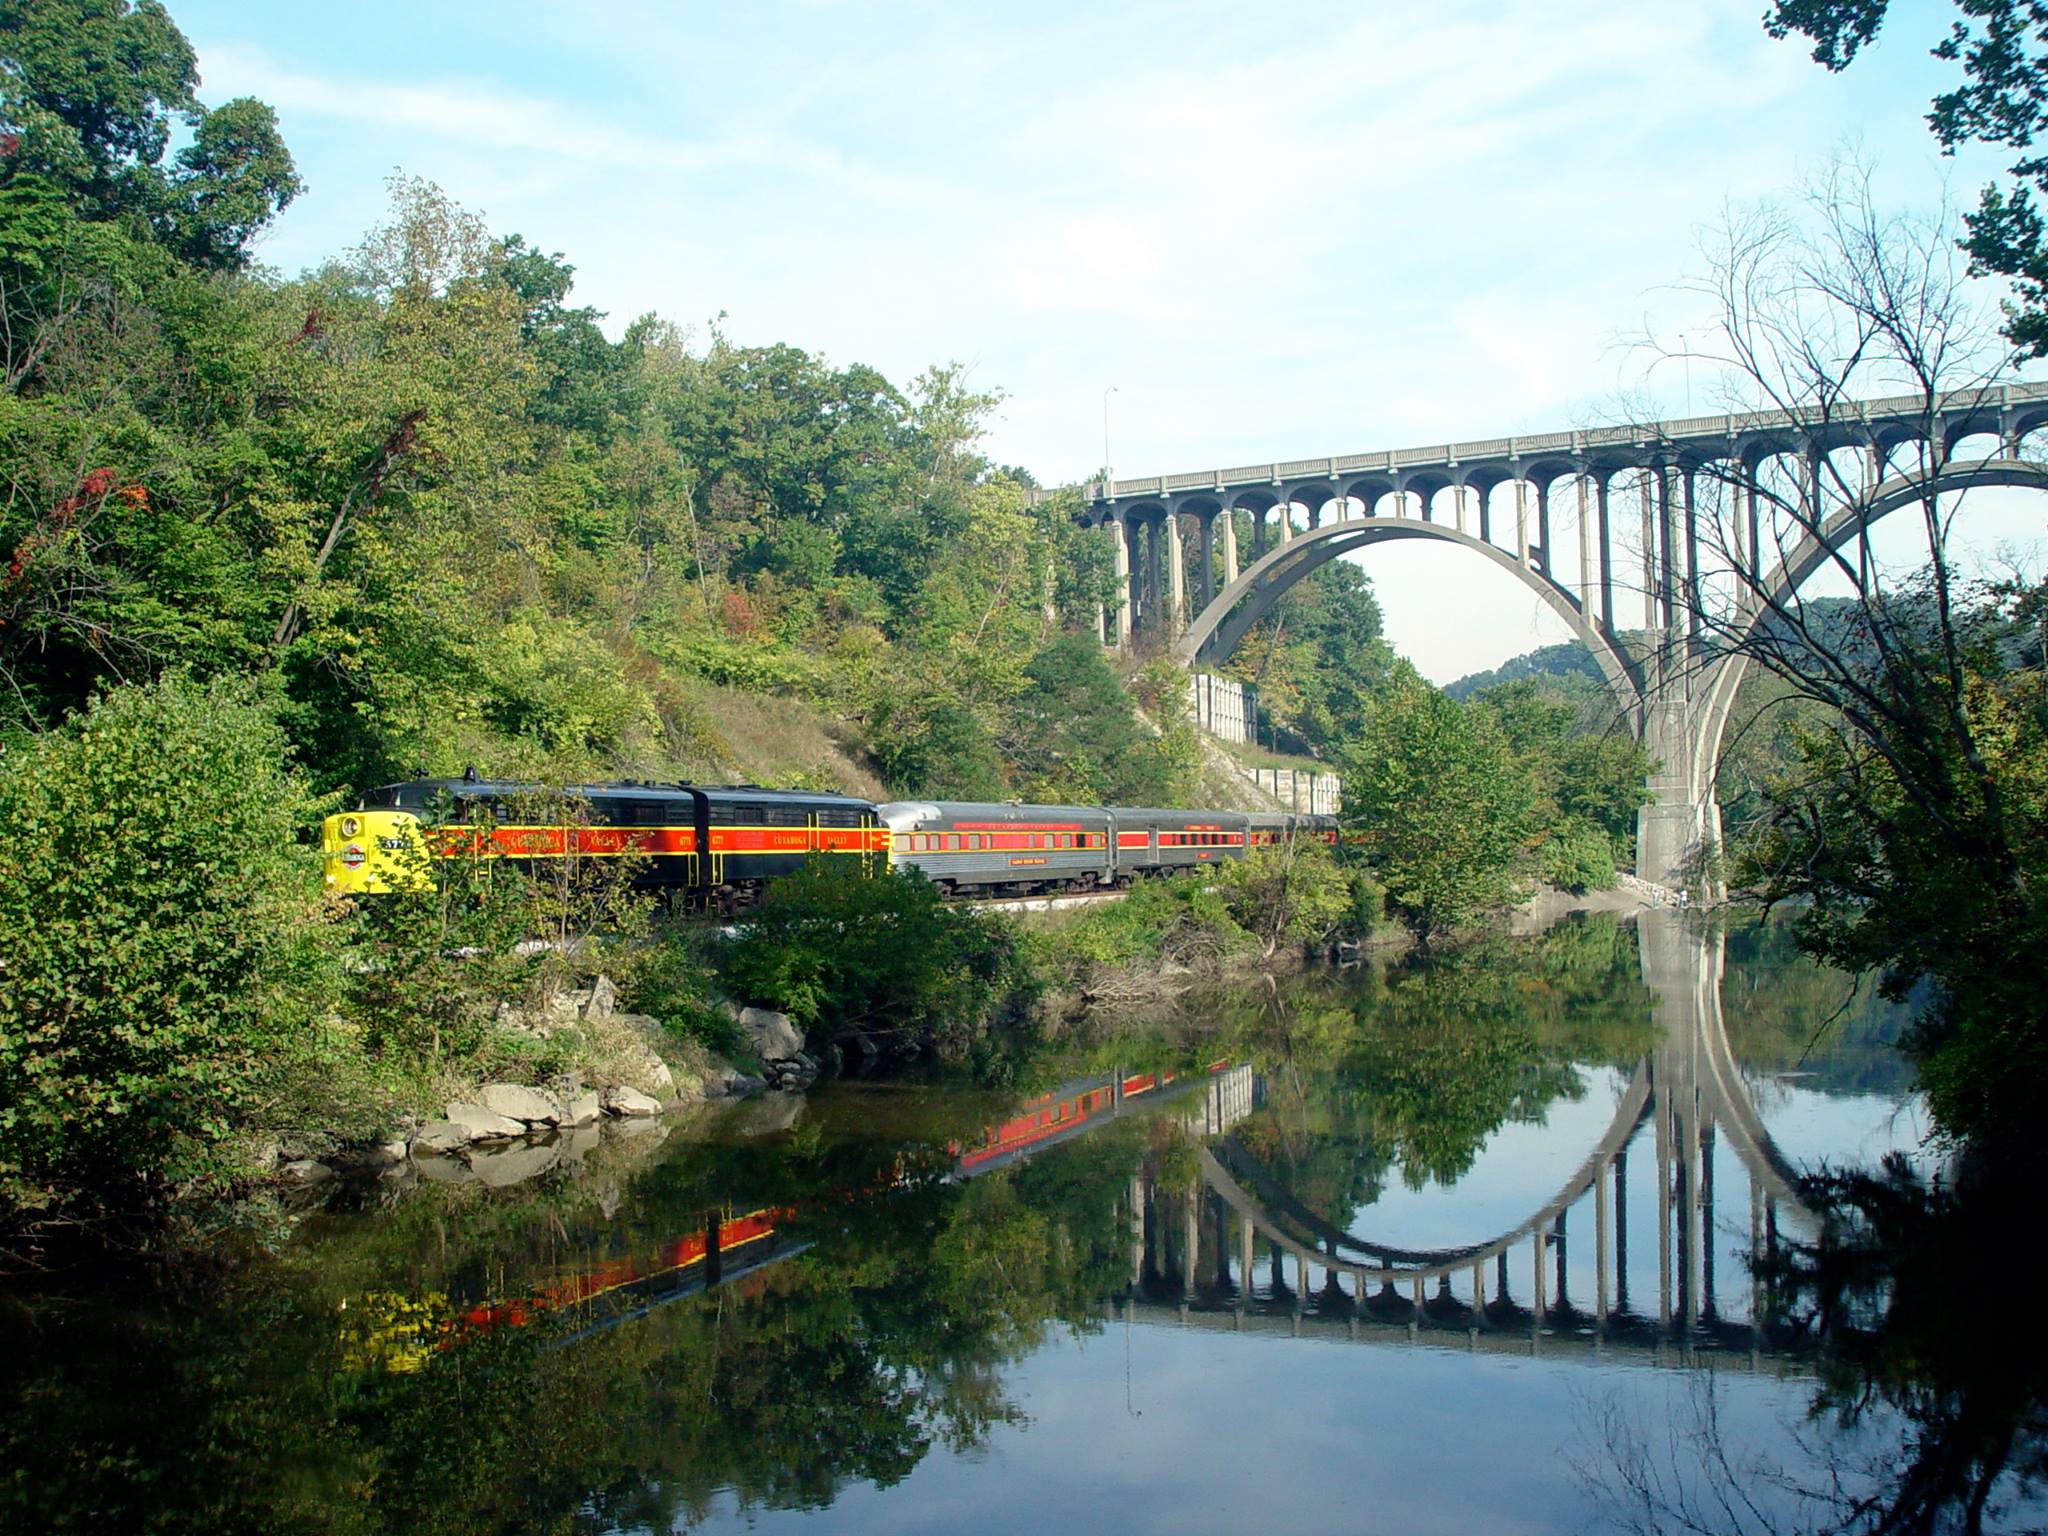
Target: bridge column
1585, 554
1682, 823
1462, 488
1604, 489
1649, 549
1125, 591
1148, 613
1207, 560
1600, 1245
1229, 516
1522, 523
1176, 576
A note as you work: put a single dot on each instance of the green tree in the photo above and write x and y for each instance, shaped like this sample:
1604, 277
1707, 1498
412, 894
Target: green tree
1439, 805
165, 963
2002, 48
90, 93
877, 960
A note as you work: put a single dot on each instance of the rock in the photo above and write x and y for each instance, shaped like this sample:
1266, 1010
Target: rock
579, 1140
439, 1137
377, 1154
584, 1109
604, 997
533, 1106
443, 1170
630, 1103
770, 1035
305, 1170
642, 1133
740, 1085
485, 1124
516, 1164
768, 1115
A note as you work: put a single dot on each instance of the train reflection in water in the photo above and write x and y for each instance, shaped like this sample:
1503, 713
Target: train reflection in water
400, 1334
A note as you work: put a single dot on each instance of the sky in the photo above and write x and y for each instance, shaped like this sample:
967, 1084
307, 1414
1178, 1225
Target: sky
1278, 231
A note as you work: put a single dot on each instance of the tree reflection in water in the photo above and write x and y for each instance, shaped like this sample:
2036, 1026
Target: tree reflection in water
1898, 1298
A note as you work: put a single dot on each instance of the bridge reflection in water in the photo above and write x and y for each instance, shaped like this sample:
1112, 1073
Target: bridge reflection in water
1240, 1252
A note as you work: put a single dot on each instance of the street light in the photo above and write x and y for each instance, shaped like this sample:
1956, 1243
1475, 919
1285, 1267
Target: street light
1108, 480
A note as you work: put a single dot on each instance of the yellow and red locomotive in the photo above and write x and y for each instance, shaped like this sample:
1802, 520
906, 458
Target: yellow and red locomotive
715, 843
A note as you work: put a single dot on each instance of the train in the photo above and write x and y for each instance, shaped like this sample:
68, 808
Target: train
719, 845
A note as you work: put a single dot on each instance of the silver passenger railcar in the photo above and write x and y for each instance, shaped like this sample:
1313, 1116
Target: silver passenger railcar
1269, 828
1159, 842
1001, 848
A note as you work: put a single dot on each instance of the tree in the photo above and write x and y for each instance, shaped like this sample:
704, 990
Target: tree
90, 91
1440, 807
165, 965
2002, 46
1912, 825
874, 959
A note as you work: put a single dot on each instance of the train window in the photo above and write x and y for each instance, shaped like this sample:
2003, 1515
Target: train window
1066, 839
901, 842
842, 816
952, 842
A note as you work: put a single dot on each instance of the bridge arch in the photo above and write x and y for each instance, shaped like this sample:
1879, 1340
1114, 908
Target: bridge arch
1814, 552
1217, 630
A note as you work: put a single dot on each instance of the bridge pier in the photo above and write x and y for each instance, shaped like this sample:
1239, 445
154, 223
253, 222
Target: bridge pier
1679, 832
1176, 597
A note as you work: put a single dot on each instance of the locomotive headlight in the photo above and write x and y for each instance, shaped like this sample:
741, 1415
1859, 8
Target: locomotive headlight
350, 826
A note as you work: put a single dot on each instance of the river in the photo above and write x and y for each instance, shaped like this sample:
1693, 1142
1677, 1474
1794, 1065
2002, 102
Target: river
1514, 1241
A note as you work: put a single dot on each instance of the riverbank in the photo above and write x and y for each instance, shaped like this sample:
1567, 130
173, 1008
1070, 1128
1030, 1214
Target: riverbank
1626, 897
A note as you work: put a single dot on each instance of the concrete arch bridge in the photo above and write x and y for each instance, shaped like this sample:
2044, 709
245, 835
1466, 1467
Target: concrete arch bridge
1199, 1248
1682, 534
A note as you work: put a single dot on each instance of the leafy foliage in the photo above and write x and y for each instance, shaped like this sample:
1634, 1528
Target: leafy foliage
1441, 808
166, 965
877, 959
2003, 51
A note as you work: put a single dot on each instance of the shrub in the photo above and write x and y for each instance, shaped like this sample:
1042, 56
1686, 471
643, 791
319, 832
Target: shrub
671, 981
435, 958
165, 966
1287, 894
873, 957
1578, 857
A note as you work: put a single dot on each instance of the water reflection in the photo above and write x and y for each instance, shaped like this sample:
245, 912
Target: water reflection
1524, 1158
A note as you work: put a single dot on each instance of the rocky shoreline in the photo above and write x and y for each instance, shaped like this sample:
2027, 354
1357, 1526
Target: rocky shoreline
503, 1132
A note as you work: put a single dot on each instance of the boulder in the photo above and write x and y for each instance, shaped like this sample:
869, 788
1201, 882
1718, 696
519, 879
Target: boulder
305, 1170
443, 1170
377, 1154
532, 1106
514, 1165
580, 1140
604, 997
584, 1109
732, 1083
439, 1137
769, 1115
485, 1124
630, 1103
640, 1134
770, 1035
